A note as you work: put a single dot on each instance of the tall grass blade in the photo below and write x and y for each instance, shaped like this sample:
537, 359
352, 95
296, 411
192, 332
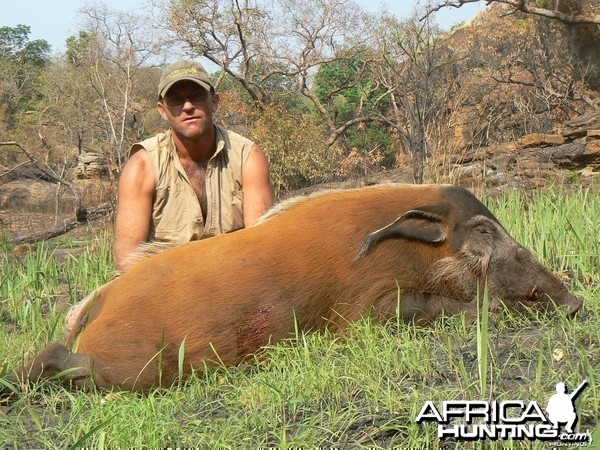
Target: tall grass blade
180, 361
483, 313
398, 306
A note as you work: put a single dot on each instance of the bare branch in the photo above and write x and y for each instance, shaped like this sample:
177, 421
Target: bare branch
7, 170
335, 134
523, 6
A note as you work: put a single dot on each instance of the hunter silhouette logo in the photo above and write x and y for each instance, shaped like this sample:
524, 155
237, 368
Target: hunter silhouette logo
472, 420
561, 406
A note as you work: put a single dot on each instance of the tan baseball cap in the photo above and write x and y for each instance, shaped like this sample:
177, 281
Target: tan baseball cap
184, 70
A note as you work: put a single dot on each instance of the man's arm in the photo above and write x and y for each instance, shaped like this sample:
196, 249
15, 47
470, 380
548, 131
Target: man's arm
258, 194
134, 209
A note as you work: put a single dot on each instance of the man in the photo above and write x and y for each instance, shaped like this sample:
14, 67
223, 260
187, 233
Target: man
194, 181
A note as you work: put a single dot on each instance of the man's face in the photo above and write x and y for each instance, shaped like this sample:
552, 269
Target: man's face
188, 109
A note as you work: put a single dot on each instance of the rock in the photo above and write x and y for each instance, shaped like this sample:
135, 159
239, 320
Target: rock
38, 196
592, 134
468, 175
575, 155
91, 165
28, 171
502, 149
497, 180
579, 127
540, 140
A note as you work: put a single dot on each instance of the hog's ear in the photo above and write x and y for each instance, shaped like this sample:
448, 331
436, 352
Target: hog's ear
415, 224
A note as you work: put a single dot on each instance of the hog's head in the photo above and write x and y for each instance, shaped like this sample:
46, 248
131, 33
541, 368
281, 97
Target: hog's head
476, 249
483, 250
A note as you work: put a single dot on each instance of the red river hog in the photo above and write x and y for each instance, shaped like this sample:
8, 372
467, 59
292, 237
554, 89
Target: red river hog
311, 263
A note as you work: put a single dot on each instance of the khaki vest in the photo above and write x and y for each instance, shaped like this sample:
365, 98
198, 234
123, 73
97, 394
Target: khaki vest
176, 213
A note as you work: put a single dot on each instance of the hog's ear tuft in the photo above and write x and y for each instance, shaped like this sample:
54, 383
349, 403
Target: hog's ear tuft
415, 224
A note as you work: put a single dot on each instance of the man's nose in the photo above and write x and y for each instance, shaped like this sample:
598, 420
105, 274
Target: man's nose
187, 103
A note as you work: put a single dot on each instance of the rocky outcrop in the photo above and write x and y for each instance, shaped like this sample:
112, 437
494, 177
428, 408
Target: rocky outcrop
570, 153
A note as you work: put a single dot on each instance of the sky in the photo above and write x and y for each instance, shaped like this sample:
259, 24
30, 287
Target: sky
56, 20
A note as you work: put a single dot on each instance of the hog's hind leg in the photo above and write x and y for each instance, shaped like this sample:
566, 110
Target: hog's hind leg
75, 368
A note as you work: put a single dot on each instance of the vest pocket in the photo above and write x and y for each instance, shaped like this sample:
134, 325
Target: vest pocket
172, 215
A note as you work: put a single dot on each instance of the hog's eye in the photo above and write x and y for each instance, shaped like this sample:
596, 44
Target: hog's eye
483, 230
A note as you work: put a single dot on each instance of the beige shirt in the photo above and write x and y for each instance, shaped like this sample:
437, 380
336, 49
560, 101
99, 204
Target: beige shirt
176, 213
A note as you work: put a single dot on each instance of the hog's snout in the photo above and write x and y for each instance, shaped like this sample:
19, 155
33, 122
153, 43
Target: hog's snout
569, 302
564, 301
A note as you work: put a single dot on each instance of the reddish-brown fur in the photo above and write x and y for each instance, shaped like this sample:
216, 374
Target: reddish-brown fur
319, 262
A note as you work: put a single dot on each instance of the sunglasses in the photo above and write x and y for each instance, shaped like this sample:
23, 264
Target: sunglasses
177, 101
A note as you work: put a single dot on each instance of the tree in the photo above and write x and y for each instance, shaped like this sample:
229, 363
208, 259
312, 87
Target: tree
21, 62
229, 34
109, 68
416, 75
16, 47
261, 44
349, 91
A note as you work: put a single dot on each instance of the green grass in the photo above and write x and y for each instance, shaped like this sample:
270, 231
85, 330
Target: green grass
360, 390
